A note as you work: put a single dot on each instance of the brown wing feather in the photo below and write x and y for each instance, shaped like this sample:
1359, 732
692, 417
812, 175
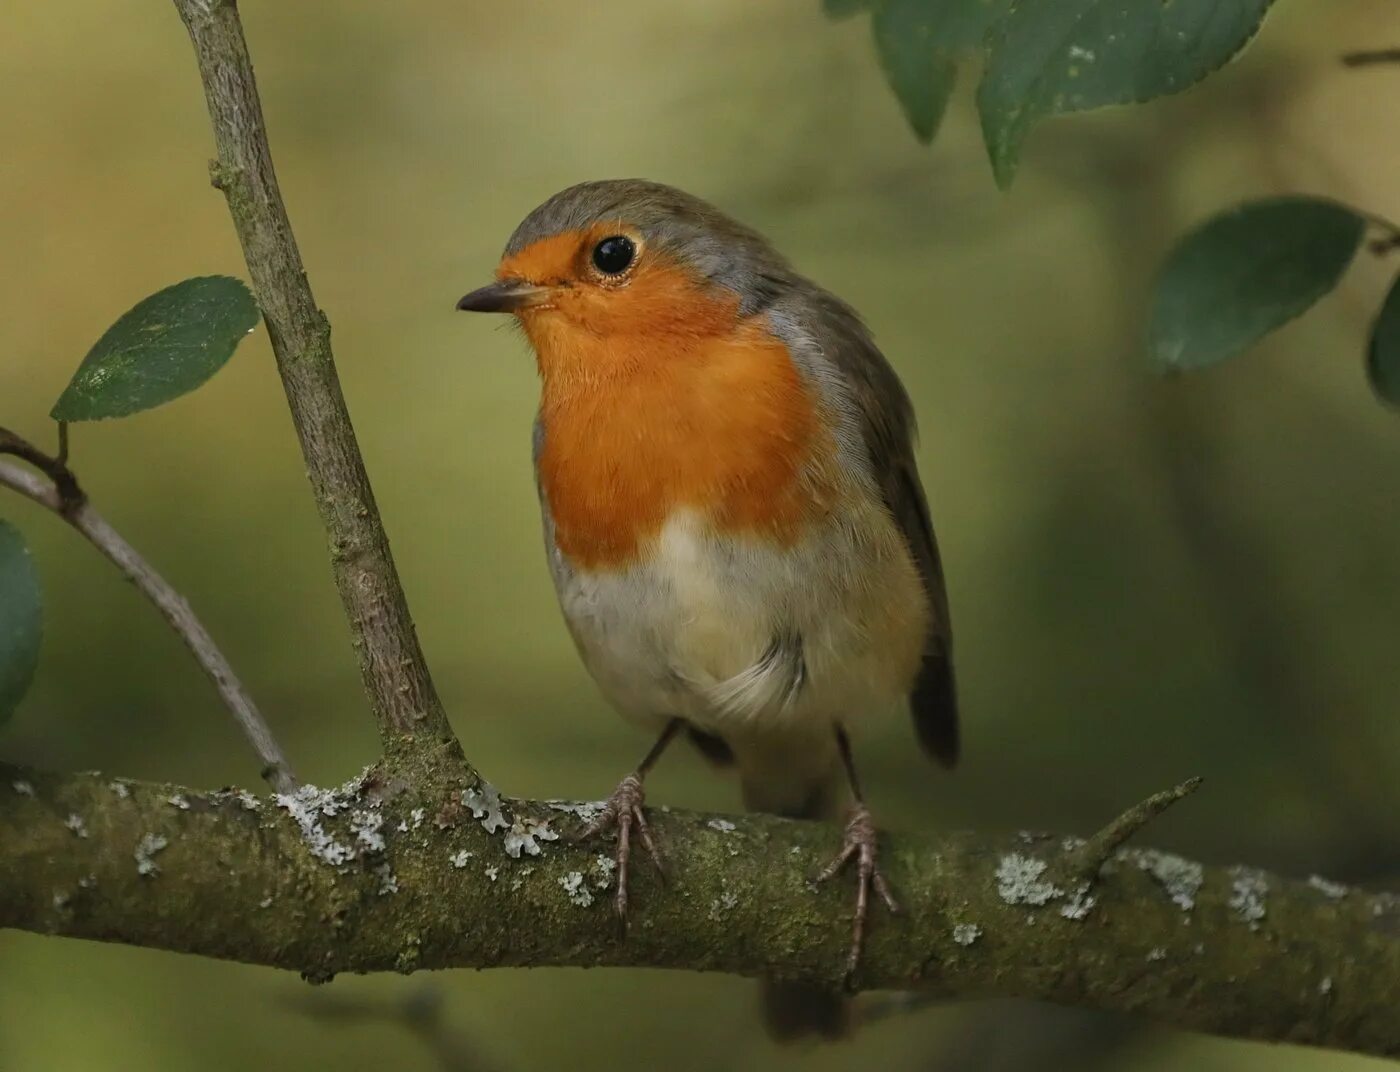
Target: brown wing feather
889, 427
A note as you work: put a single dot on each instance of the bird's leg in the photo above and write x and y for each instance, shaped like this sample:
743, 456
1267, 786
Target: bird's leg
624, 809
860, 843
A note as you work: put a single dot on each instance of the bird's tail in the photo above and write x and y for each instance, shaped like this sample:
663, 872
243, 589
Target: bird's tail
793, 1011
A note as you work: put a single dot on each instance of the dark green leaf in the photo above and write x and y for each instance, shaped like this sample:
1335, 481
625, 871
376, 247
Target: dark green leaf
1246, 272
1050, 57
920, 72
1383, 362
166, 346
21, 619
918, 43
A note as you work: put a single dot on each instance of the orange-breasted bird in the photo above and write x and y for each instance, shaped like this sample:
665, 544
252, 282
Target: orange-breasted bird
732, 514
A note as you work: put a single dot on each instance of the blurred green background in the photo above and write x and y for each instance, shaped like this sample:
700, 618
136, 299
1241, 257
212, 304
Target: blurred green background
1150, 579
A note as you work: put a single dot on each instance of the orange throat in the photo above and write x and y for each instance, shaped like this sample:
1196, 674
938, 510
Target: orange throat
708, 414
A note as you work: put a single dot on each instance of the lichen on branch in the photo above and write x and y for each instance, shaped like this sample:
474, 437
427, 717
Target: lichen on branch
383, 874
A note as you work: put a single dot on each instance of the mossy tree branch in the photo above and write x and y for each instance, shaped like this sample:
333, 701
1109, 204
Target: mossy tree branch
395, 674
382, 875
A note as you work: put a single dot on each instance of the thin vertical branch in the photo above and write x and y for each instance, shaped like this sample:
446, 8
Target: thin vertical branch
395, 674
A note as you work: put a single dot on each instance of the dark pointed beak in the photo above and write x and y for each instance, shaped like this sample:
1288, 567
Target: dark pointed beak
504, 296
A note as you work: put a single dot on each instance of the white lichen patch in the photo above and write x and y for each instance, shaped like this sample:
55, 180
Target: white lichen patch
1248, 891
484, 802
417, 815
603, 867
587, 810
1079, 52
1080, 902
525, 835
966, 933
178, 801
576, 890
247, 801
307, 806
1020, 881
76, 823
722, 905
724, 826
1179, 877
1325, 987
60, 900
388, 881
1156, 953
87, 882
1072, 843
145, 852
459, 858
119, 789
1333, 891
22, 787
367, 825
1383, 902
493, 872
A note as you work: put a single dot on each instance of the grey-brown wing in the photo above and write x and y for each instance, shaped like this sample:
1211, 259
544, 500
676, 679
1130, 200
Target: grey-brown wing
889, 426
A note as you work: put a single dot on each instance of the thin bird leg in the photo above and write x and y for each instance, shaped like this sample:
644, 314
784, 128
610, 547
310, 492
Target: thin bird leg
624, 809
860, 843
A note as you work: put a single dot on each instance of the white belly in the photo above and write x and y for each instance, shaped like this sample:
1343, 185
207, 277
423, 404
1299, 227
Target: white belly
739, 636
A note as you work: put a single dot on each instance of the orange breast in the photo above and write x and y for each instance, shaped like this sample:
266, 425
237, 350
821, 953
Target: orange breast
640, 424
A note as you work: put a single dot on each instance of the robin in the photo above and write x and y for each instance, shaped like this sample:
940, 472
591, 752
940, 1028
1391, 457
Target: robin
732, 514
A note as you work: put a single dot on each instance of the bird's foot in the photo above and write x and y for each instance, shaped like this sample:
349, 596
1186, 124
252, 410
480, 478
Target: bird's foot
860, 843
622, 812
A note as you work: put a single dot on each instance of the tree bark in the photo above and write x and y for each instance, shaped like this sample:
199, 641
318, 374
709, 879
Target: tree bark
382, 875
395, 674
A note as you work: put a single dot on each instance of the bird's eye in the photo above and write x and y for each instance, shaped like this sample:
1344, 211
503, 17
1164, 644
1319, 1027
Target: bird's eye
614, 254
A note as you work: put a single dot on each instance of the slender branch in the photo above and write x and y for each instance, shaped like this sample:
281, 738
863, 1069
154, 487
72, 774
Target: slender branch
380, 875
392, 666
1371, 58
419, 1012
172, 606
1087, 861
70, 495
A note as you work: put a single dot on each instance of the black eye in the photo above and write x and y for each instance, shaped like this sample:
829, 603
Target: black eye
612, 255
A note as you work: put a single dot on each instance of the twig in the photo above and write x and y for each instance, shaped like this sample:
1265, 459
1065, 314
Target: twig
1087, 861
172, 606
419, 1011
1371, 57
395, 674
70, 495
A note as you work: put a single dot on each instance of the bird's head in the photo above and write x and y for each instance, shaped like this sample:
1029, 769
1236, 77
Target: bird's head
605, 273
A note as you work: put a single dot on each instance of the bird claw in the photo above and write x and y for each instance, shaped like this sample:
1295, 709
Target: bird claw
624, 810
861, 843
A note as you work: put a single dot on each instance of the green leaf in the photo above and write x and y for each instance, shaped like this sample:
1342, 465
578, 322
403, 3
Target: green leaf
1246, 272
21, 619
1051, 57
166, 346
919, 42
920, 72
1383, 361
